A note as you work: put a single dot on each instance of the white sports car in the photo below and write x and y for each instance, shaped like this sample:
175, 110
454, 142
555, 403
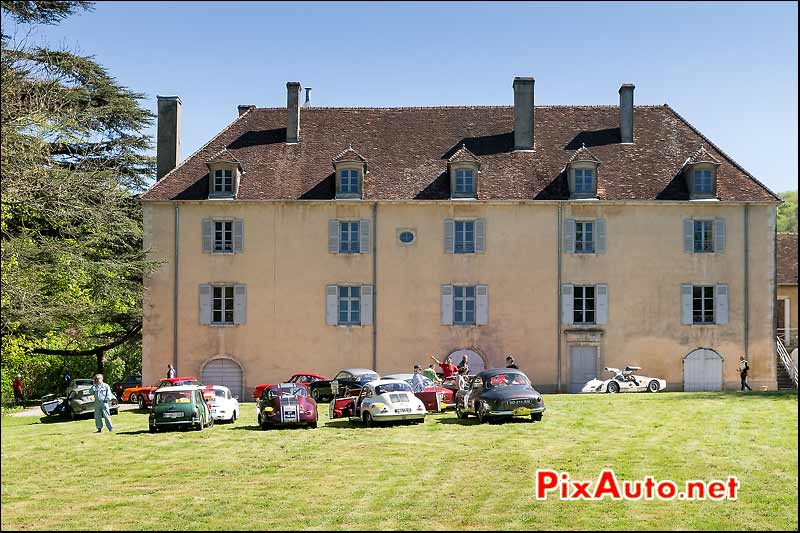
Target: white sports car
625, 381
223, 405
381, 400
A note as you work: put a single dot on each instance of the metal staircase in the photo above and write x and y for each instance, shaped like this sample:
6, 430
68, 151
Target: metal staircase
787, 371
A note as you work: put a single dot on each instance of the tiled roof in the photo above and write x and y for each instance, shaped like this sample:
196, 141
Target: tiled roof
348, 154
786, 245
223, 156
408, 151
583, 154
702, 156
463, 154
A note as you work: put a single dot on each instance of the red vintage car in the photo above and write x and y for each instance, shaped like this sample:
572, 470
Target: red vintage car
304, 379
286, 404
435, 397
144, 395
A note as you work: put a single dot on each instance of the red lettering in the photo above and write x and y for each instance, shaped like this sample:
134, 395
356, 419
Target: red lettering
697, 487
581, 490
733, 485
667, 490
649, 483
546, 481
716, 490
564, 486
630, 494
607, 486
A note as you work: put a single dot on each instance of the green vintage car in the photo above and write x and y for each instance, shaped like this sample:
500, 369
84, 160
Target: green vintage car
181, 407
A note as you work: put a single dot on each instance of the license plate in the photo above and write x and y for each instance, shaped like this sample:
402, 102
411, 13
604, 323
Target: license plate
173, 415
522, 411
90, 398
403, 410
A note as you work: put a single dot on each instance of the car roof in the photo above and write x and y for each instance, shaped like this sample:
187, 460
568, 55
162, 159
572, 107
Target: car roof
404, 377
313, 375
358, 371
495, 371
173, 380
385, 381
182, 388
220, 387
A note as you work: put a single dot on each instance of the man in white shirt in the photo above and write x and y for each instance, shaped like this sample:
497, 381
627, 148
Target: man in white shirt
102, 402
417, 383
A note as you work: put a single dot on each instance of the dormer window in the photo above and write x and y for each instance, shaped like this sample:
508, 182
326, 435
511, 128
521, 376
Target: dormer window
582, 174
223, 181
224, 172
463, 167
701, 174
350, 168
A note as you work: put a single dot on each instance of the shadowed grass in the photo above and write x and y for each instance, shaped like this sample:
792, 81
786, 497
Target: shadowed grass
444, 474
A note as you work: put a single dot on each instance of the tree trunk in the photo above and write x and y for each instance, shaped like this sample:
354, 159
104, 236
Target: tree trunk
100, 362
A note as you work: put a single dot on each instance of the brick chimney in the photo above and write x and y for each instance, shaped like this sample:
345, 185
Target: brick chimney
168, 144
626, 112
523, 113
293, 109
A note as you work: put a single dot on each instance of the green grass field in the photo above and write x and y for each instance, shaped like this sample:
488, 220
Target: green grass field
444, 474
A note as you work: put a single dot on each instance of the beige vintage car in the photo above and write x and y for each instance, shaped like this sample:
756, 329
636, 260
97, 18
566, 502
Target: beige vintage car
80, 399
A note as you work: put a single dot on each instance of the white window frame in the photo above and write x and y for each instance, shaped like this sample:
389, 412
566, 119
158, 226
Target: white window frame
218, 246
587, 187
223, 181
579, 307
591, 242
359, 174
223, 300
704, 174
703, 311
349, 299
462, 301
464, 176
353, 244
710, 244
463, 222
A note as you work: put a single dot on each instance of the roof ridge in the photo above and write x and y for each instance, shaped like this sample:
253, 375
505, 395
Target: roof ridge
382, 108
718, 149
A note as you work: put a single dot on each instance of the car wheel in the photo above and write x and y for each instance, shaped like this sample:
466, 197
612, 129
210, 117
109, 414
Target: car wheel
459, 413
652, 386
612, 388
132, 398
481, 411
142, 405
368, 420
71, 414
115, 412
536, 417
315, 394
233, 418
314, 424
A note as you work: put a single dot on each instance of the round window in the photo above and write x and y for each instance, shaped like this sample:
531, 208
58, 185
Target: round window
406, 237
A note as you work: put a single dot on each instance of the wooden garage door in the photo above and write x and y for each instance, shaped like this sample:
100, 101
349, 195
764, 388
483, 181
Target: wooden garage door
582, 366
702, 371
224, 372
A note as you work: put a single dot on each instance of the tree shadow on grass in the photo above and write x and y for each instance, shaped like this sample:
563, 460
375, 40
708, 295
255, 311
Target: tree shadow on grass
460, 421
139, 432
272, 428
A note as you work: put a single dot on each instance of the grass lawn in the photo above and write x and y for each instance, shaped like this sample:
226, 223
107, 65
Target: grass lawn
443, 474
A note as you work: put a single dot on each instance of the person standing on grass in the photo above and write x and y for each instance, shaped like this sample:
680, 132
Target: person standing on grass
417, 384
448, 368
170, 371
744, 368
102, 402
67, 380
18, 398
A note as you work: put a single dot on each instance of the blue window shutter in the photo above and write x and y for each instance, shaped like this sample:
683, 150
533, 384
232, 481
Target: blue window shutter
600, 236
686, 305
567, 307
480, 235
569, 236
240, 304
332, 305
601, 304
447, 305
721, 304
449, 236
363, 236
481, 305
205, 304
719, 235
238, 235
208, 235
688, 236
333, 236
366, 305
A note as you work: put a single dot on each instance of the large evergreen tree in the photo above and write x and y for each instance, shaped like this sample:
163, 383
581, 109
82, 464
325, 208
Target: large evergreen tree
72, 160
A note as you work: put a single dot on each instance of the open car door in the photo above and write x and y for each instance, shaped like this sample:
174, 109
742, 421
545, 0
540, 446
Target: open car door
342, 407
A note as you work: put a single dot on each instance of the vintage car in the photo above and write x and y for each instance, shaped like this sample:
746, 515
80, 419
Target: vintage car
181, 407
224, 406
625, 381
301, 378
347, 382
383, 400
80, 399
286, 404
127, 382
499, 393
53, 405
435, 397
144, 395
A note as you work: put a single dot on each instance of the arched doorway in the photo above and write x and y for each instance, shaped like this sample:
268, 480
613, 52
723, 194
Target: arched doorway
224, 371
476, 362
702, 371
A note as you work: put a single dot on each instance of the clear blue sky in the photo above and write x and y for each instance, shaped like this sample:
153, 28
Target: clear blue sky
729, 68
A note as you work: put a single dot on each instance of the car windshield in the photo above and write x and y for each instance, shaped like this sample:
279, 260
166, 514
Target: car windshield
506, 380
426, 382
185, 382
173, 397
392, 387
366, 378
287, 391
219, 393
83, 382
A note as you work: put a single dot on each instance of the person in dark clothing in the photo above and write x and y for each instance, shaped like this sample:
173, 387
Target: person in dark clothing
67, 380
510, 362
744, 368
18, 398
